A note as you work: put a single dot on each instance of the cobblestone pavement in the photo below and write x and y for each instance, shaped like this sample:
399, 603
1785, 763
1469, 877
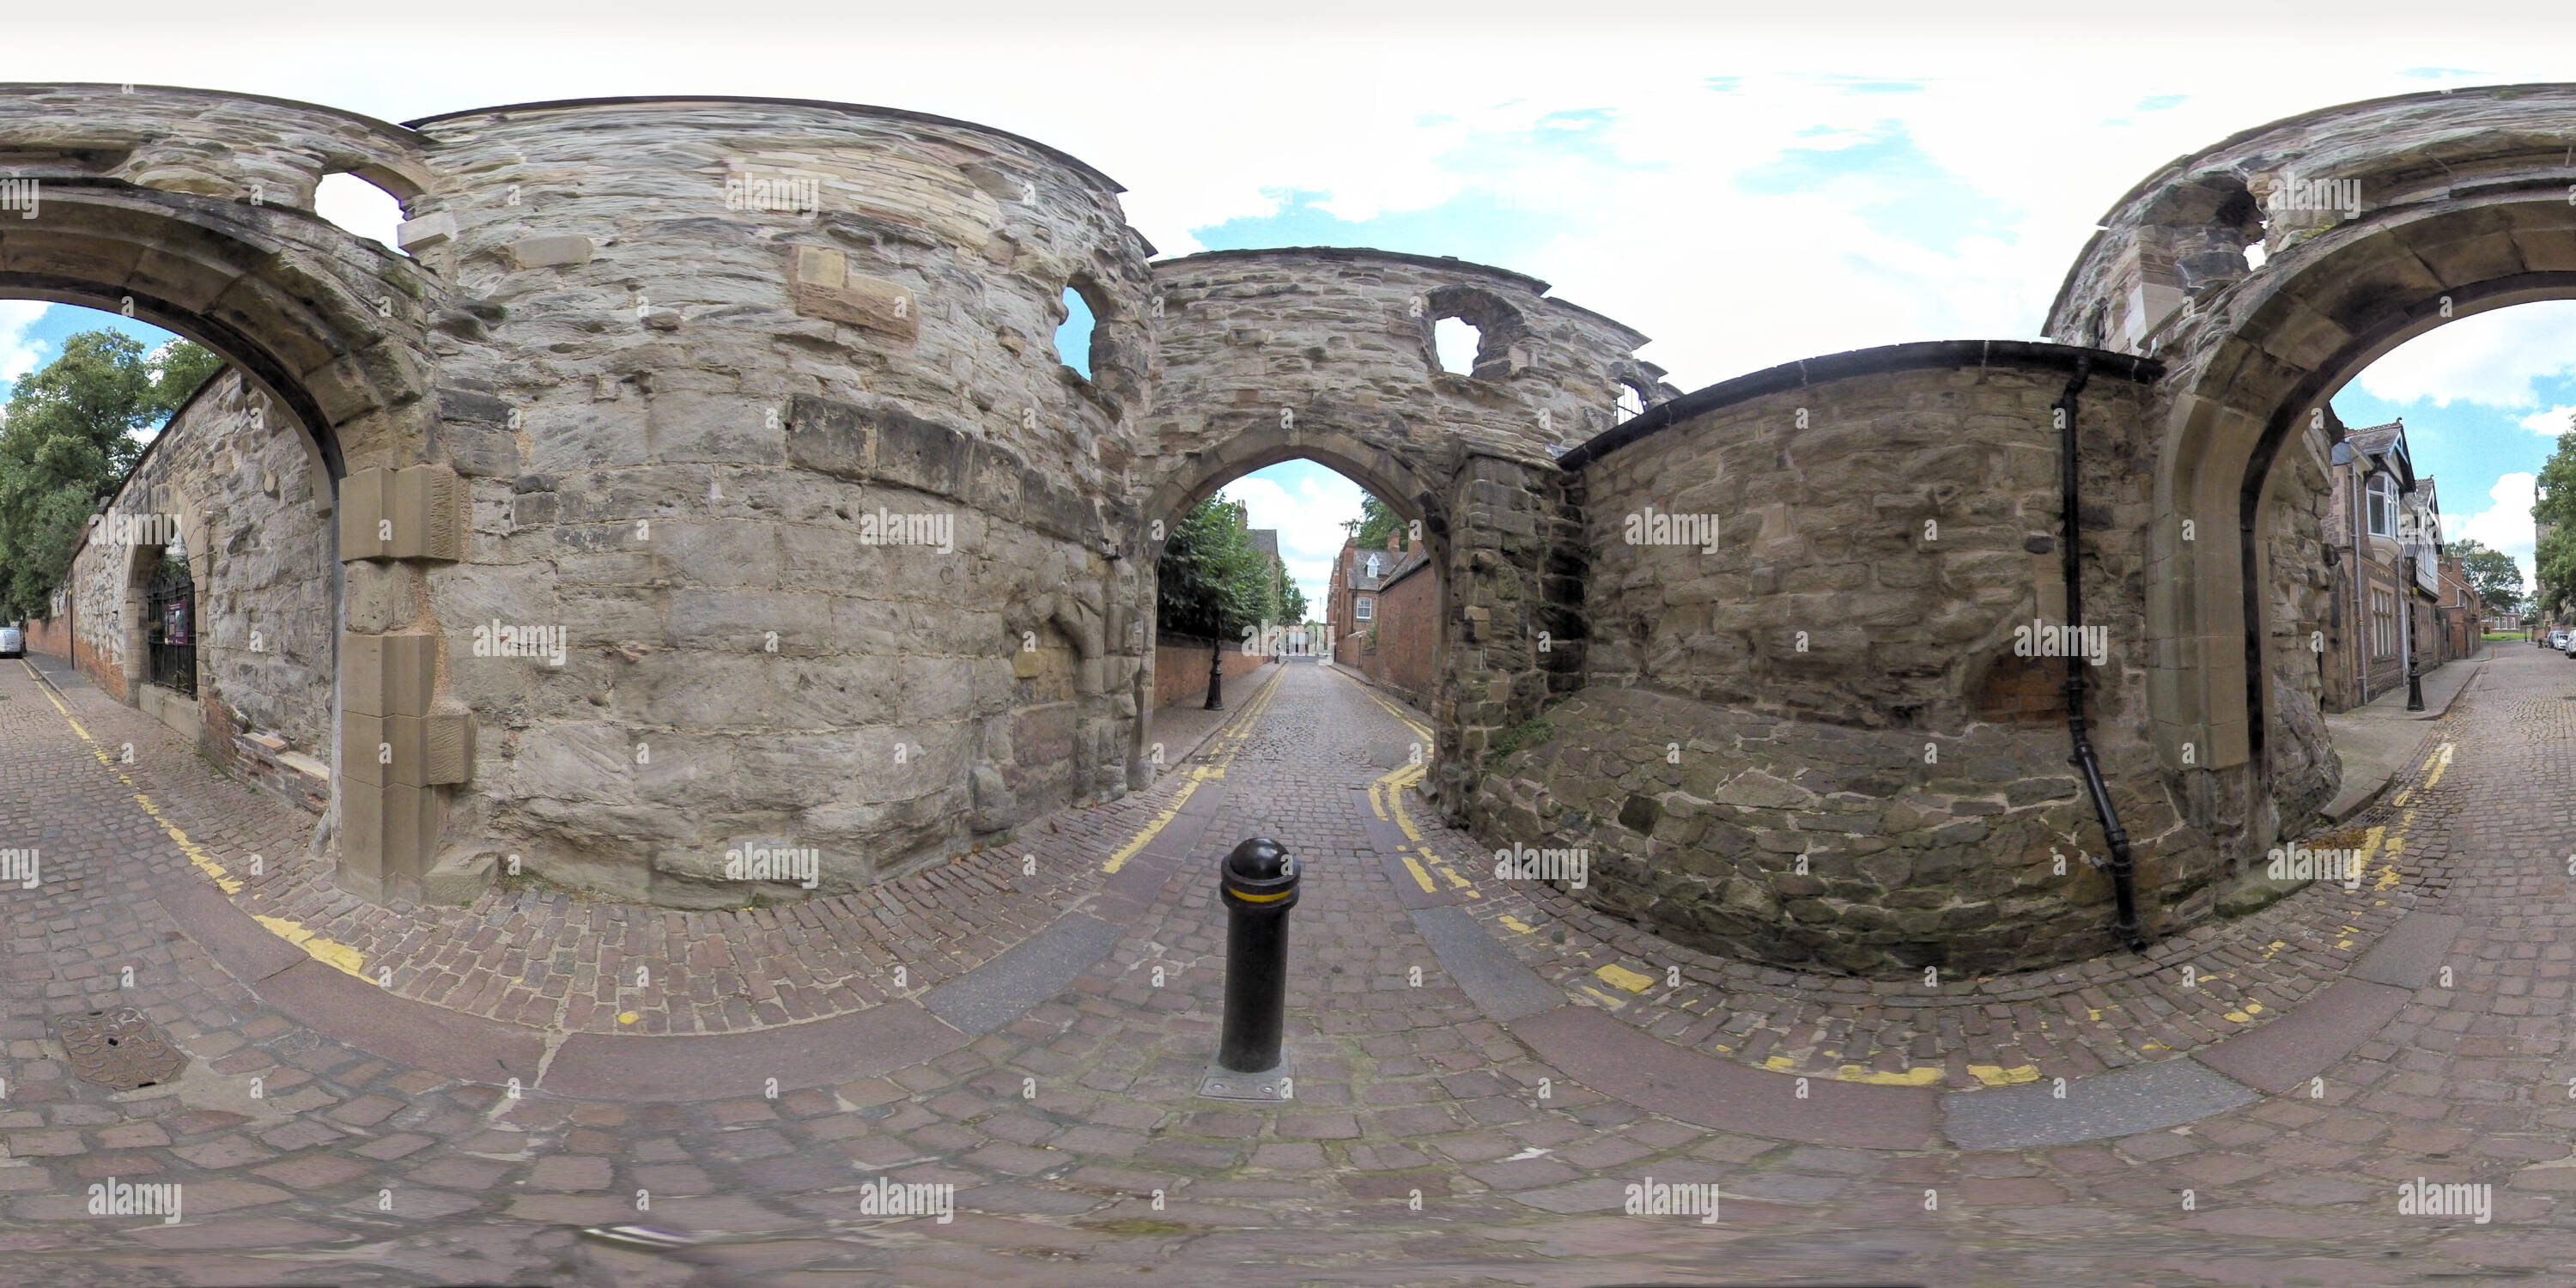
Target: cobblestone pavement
1427, 1142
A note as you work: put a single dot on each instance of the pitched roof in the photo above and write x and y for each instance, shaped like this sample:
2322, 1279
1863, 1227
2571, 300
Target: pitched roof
2377, 439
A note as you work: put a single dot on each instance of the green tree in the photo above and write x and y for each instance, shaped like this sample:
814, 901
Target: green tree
1376, 520
68, 441
1291, 601
1210, 581
2554, 509
2492, 573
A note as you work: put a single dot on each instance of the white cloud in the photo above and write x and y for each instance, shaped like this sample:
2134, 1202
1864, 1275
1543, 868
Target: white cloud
2550, 423
2488, 358
2504, 526
19, 354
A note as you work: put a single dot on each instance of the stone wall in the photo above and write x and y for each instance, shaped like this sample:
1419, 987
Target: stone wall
1810, 740
2299, 505
1327, 354
698, 433
234, 475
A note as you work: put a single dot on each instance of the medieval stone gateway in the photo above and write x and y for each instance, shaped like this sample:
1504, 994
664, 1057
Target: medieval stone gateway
701, 478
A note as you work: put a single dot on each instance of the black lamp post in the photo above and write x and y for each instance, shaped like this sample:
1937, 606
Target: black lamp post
2414, 655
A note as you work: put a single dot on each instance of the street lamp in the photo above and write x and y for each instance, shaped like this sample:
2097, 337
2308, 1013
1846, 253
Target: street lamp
2414, 674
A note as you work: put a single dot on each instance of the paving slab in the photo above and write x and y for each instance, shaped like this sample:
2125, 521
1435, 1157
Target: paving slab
1037, 968
245, 947
1495, 980
2283, 1055
1615, 1059
600, 1066
356, 1013
2411, 951
2121, 1102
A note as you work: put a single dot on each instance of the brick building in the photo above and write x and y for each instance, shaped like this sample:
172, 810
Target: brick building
1383, 613
2382, 531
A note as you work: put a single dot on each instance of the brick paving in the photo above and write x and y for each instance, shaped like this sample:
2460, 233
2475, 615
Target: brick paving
1425, 1144
527, 954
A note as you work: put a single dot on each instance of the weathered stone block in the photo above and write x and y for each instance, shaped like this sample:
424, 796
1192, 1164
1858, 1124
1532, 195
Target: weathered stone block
387, 832
821, 285
387, 675
417, 235
551, 250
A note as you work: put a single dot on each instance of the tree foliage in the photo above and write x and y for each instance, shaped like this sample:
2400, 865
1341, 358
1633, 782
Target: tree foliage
68, 442
2554, 509
1290, 605
2492, 573
1376, 520
1211, 581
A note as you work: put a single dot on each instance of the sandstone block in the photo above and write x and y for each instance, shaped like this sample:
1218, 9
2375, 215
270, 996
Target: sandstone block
551, 250
821, 285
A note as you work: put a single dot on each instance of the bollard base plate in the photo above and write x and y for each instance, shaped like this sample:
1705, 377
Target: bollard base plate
1271, 1086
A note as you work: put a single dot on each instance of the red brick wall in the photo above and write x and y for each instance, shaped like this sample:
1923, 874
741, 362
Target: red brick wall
50, 636
1181, 668
1408, 639
104, 671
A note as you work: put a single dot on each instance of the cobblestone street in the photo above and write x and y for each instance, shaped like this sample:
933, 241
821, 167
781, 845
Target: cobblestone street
1483, 1068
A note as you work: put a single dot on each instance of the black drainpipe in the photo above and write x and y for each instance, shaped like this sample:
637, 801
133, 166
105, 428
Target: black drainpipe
2121, 870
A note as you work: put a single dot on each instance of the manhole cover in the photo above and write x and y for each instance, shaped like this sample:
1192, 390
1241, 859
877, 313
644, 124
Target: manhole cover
117, 1049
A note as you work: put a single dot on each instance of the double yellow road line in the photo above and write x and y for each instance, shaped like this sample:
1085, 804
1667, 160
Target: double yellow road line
1229, 740
329, 952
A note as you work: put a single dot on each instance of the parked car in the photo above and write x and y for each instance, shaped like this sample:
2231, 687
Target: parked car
2558, 639
13, 642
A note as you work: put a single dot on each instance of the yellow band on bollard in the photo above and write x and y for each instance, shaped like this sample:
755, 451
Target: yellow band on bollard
1261, 898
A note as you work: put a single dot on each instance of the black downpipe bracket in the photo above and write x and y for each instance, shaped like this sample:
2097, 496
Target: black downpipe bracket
2122, 871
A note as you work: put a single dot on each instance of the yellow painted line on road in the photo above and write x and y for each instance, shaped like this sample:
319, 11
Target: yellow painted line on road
1995, 1075
335, 955
1618, 976
1228, 741
329, 952
1517, 926
2439, 761
1145, 836
1420, 877
1421, 731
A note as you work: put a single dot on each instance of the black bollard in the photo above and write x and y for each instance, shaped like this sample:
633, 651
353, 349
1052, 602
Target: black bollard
1258, 883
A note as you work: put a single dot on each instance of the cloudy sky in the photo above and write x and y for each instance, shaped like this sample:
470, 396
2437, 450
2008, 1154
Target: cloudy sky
1748, 184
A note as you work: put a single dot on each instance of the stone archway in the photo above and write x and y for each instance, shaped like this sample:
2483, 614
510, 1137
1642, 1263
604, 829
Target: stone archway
2386, 220
1389, 477
1328, 354
192, 210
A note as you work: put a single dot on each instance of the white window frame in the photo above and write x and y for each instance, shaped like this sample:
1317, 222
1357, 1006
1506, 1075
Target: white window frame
2382, 500
1363, 608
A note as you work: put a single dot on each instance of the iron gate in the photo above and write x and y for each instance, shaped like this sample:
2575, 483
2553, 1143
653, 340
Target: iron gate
170, 605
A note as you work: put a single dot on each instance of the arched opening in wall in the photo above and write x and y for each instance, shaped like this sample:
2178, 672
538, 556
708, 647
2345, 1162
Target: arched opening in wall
2432, 457
1343, 569
360, 208
1471, 332
2389, 531
1073, 335
1455, 342
1631, 404
179, 556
